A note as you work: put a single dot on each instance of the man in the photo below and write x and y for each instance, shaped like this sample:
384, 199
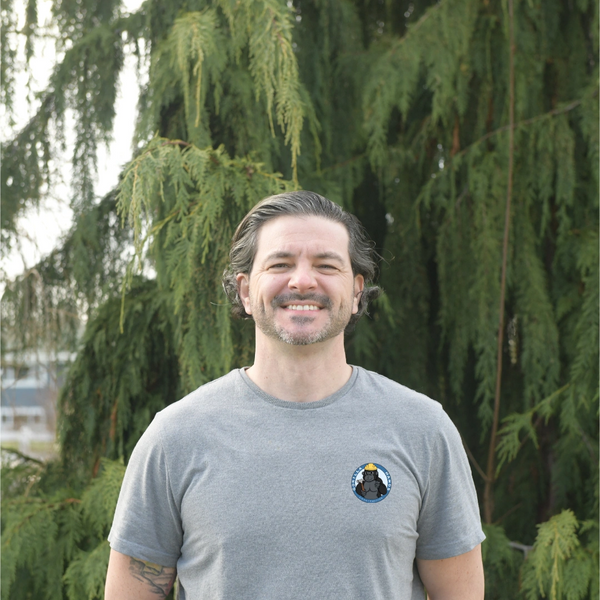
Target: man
301, 476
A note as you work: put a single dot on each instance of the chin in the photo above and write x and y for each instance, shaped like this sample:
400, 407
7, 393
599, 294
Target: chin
305, 338
300, 340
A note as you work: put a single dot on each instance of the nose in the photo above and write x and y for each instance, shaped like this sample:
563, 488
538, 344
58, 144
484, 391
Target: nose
302, 279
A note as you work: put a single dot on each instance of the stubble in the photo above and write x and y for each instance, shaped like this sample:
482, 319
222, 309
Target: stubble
333, 327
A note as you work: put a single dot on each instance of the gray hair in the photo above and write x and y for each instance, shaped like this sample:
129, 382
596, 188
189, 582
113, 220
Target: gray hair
301, 203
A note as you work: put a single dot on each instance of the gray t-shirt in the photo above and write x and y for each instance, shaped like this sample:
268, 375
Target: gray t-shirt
252, 497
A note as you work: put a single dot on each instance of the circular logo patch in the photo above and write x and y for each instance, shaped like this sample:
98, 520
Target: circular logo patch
371, 483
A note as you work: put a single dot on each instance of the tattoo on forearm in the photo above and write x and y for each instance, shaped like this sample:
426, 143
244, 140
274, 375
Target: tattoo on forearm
159, 579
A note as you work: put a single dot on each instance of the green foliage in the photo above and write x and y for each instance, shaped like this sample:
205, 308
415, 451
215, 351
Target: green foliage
558, 566
114, 390
205, 49
25, 169
273, 65
84, 271
45, 529
501, 564
399, 112
86, 573
514, 424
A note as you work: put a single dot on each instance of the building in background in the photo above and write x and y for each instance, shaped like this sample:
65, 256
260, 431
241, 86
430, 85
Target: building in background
30, 385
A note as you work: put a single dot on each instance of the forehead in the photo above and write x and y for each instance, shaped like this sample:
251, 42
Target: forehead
302, 235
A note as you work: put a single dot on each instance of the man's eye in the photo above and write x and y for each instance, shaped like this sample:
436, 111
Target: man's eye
327, 267
279, 266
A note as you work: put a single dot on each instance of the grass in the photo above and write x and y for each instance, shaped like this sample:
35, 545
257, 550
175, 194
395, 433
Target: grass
14, 445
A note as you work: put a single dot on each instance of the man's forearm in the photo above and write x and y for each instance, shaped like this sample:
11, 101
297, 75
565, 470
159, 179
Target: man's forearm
129, 577
457, 578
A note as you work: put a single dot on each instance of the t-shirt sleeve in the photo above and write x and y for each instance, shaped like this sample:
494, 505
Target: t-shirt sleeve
147, 523
449, 522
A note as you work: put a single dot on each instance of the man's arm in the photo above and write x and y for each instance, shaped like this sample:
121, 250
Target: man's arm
456, 578
129, 578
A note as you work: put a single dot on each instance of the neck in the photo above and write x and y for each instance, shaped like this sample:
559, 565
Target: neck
299, 373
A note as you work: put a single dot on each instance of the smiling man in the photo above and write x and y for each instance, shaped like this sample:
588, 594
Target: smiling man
300, 476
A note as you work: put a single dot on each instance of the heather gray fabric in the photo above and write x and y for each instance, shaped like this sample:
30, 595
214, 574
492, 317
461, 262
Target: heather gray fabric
252, 497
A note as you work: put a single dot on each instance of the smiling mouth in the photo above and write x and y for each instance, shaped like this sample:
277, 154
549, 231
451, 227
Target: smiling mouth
301, 302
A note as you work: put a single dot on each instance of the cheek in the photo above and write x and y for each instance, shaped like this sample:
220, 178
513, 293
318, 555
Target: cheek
264, 292
272, 286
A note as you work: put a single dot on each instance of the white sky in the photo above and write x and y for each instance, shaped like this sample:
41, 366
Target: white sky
40, 229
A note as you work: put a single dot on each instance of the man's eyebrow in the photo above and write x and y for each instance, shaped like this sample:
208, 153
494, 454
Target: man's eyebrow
320, 256
329, 256
279, 254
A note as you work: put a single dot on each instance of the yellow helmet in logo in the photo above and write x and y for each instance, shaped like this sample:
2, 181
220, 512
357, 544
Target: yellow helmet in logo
370, 467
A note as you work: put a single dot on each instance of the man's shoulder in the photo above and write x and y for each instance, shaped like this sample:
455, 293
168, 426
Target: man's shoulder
422, 422
381, 388
207, 398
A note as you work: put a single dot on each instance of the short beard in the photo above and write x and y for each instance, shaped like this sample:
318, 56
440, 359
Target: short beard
336, 325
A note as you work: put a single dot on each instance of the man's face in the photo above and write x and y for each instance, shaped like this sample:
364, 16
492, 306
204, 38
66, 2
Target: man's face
301, 289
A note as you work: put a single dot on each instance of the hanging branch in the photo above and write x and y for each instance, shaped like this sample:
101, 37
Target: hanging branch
488, 497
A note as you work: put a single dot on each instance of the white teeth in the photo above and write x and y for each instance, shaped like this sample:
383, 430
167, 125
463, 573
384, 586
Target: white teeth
302, 307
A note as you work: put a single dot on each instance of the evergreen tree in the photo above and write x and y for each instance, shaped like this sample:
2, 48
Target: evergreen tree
462, 133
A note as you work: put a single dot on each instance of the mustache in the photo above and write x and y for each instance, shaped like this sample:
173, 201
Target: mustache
320, 299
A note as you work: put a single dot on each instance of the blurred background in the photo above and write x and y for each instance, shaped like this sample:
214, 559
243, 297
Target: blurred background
463, 134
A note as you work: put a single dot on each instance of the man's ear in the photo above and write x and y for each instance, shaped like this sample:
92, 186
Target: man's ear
244, 290
359, 286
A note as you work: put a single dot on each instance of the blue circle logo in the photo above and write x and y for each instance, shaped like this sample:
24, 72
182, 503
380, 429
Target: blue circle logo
371, 483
